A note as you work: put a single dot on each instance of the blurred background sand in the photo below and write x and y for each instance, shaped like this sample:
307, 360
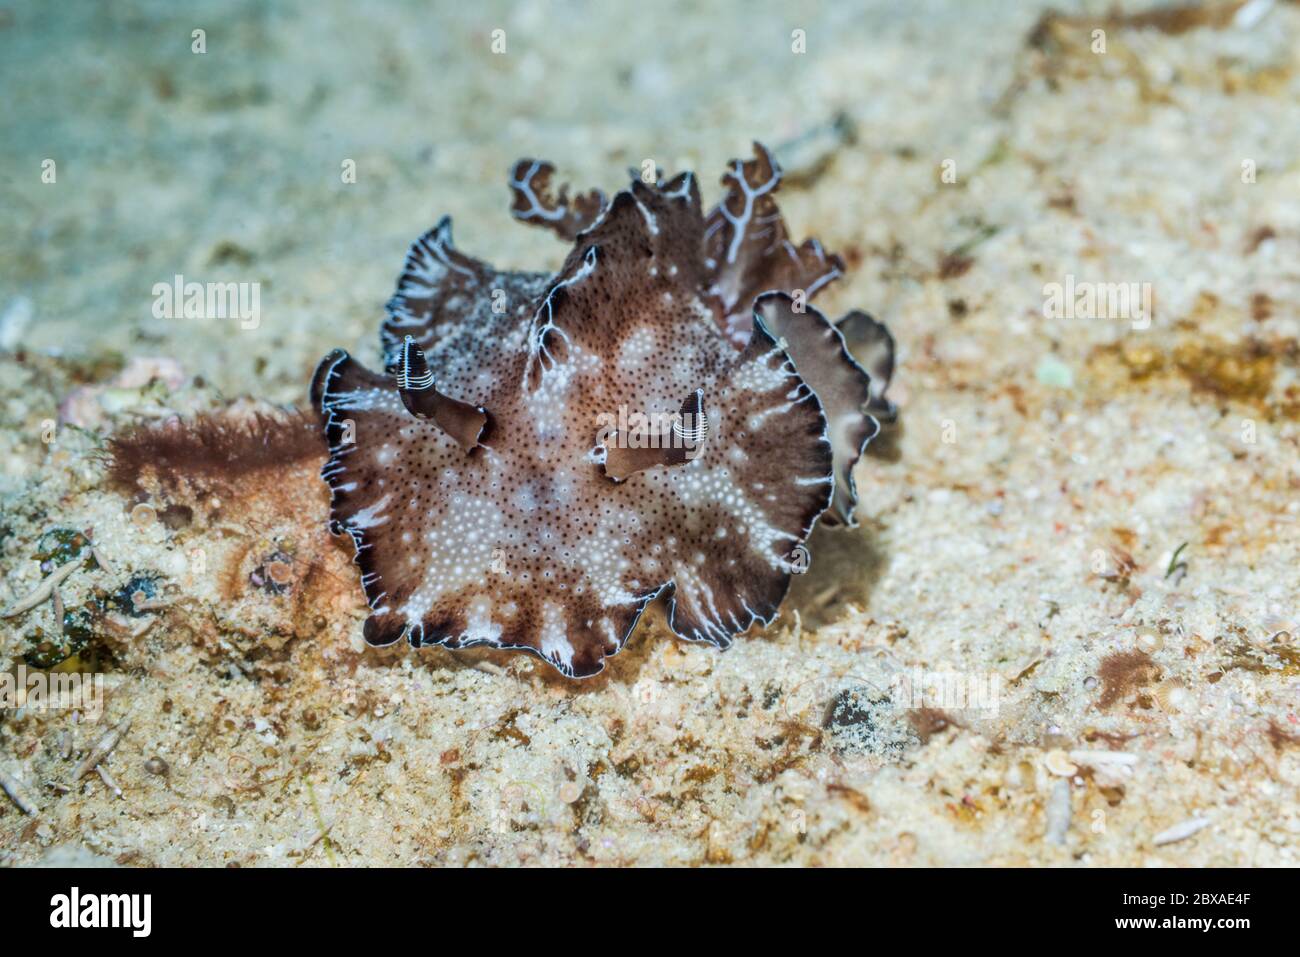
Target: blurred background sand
1028, 447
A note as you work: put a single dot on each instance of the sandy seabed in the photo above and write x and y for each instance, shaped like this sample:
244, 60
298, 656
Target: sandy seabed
1090, 522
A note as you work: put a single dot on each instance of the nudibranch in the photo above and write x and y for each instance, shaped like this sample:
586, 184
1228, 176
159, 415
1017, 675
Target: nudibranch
544, 455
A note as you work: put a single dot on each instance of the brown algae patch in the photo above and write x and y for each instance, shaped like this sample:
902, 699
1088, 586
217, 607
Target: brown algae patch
1122, 673
1244, 371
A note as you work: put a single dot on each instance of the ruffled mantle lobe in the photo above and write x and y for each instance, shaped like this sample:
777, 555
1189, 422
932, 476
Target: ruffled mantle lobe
490, 480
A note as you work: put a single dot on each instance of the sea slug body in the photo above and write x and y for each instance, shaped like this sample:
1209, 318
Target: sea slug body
544, 455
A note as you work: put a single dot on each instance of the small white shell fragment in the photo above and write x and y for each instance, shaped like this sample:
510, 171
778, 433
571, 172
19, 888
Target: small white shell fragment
570, 791
1250, 13
17, 793
43, 590
1058, 813
1150, 643
1172, 697
1057, 762
102, 748
1181, 831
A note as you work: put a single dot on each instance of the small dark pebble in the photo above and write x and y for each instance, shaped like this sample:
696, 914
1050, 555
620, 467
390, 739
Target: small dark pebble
157, 766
